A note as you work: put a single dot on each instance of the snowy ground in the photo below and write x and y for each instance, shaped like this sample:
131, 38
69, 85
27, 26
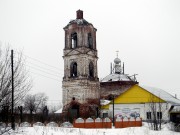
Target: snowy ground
38, 130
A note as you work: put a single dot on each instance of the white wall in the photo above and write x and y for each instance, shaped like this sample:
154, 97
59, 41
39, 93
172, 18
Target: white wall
137, 109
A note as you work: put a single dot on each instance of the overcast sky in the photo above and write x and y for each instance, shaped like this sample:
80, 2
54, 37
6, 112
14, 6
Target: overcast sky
145, 32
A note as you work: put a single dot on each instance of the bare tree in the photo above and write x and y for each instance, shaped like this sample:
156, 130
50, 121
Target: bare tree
29, 103
22, 81
156, 108
35, 103
42, 101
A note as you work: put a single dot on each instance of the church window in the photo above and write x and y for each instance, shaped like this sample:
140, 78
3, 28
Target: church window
74, 69
90, 42
91, 69
74, 40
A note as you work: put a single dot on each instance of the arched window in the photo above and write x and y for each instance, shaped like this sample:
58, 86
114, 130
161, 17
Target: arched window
74, 40
90, 41
74, 69
91, 69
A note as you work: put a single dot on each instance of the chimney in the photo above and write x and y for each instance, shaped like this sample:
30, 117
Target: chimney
79, 14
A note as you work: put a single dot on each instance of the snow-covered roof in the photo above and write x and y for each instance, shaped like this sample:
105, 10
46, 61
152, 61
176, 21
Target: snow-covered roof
116, 77
162, 94
78, 22
174, 108
104, 102
59, 111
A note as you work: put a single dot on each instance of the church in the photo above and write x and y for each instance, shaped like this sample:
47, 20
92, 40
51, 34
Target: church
117, 94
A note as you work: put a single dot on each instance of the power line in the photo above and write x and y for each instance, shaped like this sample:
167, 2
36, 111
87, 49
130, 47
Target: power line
43, 71
45, 76
39, 68
42, 62
44, 68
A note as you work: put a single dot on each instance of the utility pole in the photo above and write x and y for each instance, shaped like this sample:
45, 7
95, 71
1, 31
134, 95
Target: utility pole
12, 105
113, 110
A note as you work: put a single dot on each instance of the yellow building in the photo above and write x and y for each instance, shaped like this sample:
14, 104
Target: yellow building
141, 101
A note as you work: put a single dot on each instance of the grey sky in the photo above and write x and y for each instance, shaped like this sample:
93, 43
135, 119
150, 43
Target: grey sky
146, 33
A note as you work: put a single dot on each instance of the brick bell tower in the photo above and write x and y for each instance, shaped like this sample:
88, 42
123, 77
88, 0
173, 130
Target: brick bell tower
80, 82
